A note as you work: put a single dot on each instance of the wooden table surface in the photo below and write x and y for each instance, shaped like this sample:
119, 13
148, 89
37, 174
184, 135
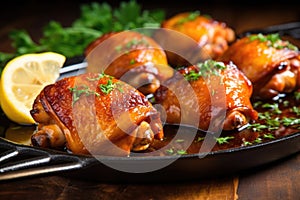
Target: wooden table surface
278, 180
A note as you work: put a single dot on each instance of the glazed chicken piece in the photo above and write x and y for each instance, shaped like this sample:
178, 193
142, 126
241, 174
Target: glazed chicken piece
190, 38
94, 113
271, 64
131, 57
219, 97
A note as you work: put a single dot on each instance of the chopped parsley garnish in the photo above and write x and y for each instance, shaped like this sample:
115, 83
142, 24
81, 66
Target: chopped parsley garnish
181, 152
297, 95
108, 87
295, 110
172, 151
269, 136
78, 91
98, 77
192, 76
274, 107
273, 40
179, 140
246, 143
133, 43
205, 69
271, 119
257, 103
132, 61
222, 140
290, 121
258, 140
199, 139
191, 17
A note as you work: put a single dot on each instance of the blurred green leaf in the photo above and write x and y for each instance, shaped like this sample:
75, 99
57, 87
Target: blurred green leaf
95, 19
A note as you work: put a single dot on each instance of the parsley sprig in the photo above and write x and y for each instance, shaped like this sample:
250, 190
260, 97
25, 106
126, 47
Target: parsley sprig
108, 87
273, 40
77, 91
191, 17
223, 140
95, 19
271, 119
205, 69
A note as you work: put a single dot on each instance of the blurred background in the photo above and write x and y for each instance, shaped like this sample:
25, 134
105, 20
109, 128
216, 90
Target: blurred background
33, 15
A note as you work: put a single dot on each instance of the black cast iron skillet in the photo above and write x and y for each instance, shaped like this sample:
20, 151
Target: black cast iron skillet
19, 161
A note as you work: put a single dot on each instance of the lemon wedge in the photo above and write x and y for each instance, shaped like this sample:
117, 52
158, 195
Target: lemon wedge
23, 78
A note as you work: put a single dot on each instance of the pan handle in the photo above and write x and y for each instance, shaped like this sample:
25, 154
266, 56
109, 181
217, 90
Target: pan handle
18, 161
287, 29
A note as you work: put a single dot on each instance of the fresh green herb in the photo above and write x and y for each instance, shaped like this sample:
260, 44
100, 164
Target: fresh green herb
269, 136
246, 143
199, 139
205, 69
269, 123
290, 121
273, 40
209, 67
98, 77
181, 152
191, 17
222, 140
170, 151
133, 43
274, 107
78, 91
286, 103
258, 140
95, 19
118, 48
192, 76
297, 95
257, 127
132, 61
108, 87
179, 140
295, 110
257, 103
119, 86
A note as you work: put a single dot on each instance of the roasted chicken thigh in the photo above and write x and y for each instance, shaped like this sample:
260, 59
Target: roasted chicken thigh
130, 56
271, 64
190, 37
222, 96
94, 113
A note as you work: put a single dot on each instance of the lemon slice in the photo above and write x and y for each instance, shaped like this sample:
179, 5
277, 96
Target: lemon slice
22, 80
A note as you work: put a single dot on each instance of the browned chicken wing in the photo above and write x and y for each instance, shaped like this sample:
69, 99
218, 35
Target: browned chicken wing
94, 113
271, 64
193, 38
130, 56
220, 89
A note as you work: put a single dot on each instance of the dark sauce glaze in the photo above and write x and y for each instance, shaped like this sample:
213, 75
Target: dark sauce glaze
277, 118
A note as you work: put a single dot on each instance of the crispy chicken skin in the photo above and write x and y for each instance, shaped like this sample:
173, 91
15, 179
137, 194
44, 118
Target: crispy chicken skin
94, 113
130, 56
210, 38
217, 90
271, 64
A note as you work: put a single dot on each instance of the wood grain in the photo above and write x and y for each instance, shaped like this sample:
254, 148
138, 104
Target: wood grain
279, 180
55, 187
